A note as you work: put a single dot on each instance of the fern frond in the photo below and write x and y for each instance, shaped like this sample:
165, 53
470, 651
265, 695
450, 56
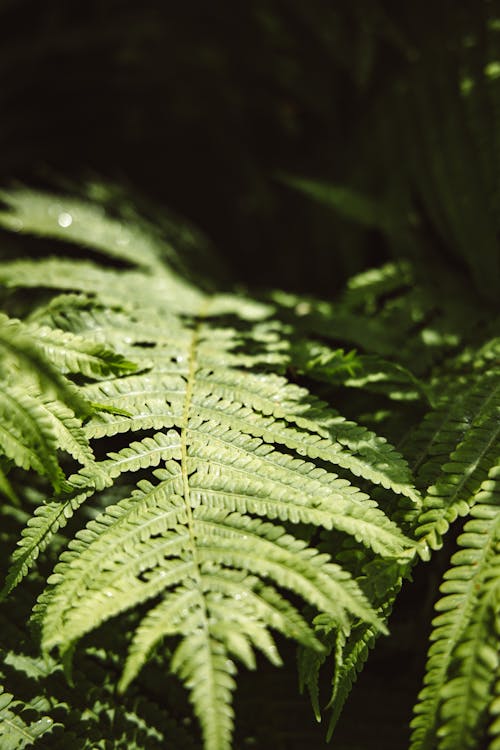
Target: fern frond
463, 658
79, 222
453, 492
381, 582
77, 354
15, 733
18, 341
285, 416
51, 517
68, 430
113, 288
352, 370
27, 433
206, 542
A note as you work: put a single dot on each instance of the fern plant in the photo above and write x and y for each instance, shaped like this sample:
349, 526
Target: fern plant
442, 320
251, 492
215, 544
454, 456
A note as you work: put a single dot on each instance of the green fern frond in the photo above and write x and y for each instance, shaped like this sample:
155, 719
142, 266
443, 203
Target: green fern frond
243, 456
352, 370
113, 288
51, 517
27, 433
463, 658
15, 733
68, 430
381, 582
77, 354
20, 349
460, 471
79, 222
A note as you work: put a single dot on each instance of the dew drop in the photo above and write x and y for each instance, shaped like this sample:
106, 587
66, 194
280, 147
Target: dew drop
64, 219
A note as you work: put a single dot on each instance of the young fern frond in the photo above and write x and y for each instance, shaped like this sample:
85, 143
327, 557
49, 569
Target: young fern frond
207, 539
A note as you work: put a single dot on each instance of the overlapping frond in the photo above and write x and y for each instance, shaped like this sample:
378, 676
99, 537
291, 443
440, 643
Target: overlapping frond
15, 733
80, 222
20, 353
462, 665
38, 708
231, 455
461, 446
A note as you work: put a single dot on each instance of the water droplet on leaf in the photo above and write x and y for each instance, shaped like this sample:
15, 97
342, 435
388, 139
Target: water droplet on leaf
64, 219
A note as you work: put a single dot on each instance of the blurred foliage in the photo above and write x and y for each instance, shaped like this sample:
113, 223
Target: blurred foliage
201, 106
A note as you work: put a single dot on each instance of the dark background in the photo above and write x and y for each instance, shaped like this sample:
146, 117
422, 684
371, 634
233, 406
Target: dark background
201, 105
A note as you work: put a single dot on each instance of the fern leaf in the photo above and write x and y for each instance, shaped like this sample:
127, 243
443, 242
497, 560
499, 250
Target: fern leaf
37, 534
190, 525
206, 544
68, 430
52, 517
203, 665
18, 341
15, 734
463, 658
78, 222
77, 354
113, 288
27, 434
455, 489
313, 431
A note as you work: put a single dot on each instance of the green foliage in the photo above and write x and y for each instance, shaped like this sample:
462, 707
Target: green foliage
463, 659
182, 488
206, 540
197, 483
